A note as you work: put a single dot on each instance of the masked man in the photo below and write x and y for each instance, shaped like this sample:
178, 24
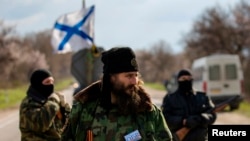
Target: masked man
188, 109
43, 113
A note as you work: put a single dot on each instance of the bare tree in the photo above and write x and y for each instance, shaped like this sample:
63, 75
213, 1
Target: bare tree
221, 31
59, 64
157, 63
17, 58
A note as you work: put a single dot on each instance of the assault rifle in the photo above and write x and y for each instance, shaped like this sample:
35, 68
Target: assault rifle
181, 133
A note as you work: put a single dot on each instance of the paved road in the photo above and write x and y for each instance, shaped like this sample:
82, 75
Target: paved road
9, 130
9, 126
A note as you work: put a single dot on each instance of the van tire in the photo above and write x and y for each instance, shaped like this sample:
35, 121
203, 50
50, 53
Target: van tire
234, 107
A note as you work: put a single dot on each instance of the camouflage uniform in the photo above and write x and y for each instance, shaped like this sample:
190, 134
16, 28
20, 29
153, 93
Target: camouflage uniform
39, 120
110, 126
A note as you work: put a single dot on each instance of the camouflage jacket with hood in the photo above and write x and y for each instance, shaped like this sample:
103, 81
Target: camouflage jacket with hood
87, 113
39, 120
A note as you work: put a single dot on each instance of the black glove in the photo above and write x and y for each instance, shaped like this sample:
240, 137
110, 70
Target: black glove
193, 121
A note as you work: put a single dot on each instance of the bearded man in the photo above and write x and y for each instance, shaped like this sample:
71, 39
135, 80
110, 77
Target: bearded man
116, 108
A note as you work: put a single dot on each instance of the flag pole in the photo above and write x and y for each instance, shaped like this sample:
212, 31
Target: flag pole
94, 49
83, 4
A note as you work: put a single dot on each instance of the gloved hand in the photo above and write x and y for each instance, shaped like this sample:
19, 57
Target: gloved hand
64, 106
193, 121
65, 112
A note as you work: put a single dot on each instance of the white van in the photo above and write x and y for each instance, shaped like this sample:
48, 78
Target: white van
220, 76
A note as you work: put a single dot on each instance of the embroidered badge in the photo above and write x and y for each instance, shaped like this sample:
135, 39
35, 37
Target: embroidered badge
134, 63
133, 136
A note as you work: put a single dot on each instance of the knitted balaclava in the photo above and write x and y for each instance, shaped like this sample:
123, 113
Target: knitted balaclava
184, 86
36, 83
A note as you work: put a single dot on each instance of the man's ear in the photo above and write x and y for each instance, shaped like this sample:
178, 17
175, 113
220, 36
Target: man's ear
112, 77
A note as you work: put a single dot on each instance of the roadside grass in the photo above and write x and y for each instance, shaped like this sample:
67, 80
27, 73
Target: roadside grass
10, 98
243, 108
64, 83
157, 86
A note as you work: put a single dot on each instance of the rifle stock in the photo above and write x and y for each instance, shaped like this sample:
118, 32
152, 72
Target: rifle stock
181, 133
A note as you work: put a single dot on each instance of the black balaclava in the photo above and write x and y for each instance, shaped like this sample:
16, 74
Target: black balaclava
37, 90
184, 86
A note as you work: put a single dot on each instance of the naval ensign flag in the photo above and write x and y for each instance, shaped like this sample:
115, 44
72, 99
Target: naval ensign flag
74, 31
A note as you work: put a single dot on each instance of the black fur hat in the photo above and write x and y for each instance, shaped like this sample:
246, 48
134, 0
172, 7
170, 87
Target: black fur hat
119, 59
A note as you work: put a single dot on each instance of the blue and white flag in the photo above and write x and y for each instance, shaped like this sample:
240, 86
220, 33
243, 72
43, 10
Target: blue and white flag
74, 31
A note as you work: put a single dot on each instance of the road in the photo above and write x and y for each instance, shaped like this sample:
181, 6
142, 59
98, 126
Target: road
9, 119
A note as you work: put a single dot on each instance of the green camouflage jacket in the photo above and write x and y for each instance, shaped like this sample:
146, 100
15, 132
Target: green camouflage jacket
87, 114
38, 120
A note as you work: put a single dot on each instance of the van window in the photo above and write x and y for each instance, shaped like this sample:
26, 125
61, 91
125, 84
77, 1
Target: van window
197, 73
231, 72
214, 72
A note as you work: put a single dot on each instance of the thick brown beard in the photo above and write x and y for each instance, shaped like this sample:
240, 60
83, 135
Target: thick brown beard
127, 98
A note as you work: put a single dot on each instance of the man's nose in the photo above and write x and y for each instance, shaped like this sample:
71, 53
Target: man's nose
133, 80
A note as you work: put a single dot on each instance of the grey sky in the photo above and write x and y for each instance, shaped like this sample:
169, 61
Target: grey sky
135, 23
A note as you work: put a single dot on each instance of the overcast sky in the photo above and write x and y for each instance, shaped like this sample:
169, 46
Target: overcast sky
134, 23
